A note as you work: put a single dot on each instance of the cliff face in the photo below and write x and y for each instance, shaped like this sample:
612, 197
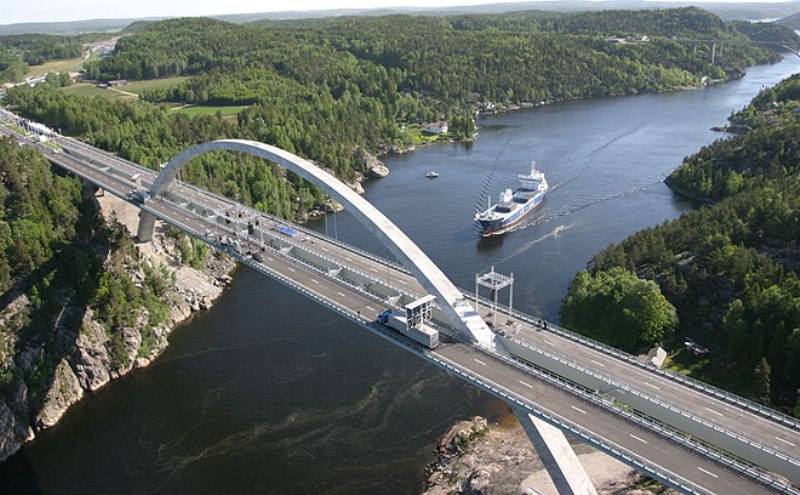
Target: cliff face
89, 353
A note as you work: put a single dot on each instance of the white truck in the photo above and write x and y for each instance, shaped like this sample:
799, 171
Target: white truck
421, 334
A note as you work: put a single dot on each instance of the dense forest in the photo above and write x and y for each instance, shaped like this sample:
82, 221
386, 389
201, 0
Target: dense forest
730, 268
503, 58
18, 52
64, 259
335, 90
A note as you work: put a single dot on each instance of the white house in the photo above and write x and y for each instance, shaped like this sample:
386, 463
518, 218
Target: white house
439, 127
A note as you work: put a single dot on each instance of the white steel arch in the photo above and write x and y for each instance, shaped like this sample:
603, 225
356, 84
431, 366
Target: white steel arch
460, 313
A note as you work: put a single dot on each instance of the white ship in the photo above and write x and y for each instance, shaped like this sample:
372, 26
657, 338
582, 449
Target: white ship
513, 205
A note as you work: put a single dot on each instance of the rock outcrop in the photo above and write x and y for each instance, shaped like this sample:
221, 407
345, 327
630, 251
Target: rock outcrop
374, 167
378, 171
64, 391
478, 458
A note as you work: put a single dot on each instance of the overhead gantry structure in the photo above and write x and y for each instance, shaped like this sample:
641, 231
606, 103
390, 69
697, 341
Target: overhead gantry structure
450, 300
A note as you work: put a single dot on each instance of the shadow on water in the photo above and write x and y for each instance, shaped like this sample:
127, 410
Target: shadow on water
491, 243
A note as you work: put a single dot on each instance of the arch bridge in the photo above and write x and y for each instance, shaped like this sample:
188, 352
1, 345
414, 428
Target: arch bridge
450, 300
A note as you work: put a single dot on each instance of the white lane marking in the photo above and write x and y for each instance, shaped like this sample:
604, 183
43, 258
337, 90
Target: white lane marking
373, 269
578, 409
323, 248
787, 442
651, 385
290, 268
370, 308
348, 258
598, 363
707, 472
402, 282
315, 280
637, 438
269, 259
715, 412
551, 343
479, 361
526, 384
340, 294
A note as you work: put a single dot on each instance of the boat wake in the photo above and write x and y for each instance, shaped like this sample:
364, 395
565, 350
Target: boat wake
520, 250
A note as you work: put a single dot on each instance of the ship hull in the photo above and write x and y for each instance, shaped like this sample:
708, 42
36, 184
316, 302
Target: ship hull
501, 225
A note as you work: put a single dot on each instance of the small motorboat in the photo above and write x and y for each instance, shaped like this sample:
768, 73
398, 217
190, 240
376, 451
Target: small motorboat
432, 174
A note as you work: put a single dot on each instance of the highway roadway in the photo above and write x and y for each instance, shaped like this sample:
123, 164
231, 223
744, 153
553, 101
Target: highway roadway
590, 418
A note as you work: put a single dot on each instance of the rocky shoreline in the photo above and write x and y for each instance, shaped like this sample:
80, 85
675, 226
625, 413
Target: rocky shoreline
476, 457
89, 366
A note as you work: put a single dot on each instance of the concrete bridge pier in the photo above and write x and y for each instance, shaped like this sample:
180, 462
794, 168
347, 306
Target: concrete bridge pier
89, 189
557, 455
146, 224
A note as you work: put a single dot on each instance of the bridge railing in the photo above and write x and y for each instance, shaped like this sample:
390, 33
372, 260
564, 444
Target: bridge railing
694, 444
615, 385
727, 397
322, 270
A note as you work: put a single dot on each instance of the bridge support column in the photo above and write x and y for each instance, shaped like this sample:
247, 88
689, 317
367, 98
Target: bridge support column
557, 455
88, 189
147, 223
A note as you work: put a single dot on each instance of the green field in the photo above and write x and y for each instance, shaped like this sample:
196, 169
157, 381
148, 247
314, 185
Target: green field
87, 89
194, 110
55, 66
139, 86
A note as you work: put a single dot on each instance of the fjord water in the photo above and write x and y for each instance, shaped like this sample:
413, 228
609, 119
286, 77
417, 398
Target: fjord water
270, 393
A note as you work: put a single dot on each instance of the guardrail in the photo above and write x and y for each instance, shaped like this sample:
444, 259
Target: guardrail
615, 385
300, 228
321, 270
677, 377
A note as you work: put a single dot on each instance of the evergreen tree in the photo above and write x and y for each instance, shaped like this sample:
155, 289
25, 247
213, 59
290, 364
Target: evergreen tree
761, 383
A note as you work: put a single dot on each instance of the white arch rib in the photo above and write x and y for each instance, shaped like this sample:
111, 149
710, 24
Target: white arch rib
460, 313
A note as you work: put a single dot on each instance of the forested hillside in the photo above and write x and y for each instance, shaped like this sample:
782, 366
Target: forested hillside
515, 57
731, 268
335, 90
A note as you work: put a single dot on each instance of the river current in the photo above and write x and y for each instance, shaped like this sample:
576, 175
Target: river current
270, 393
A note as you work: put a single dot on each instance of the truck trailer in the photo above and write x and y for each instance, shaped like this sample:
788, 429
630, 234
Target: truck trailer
422, 334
